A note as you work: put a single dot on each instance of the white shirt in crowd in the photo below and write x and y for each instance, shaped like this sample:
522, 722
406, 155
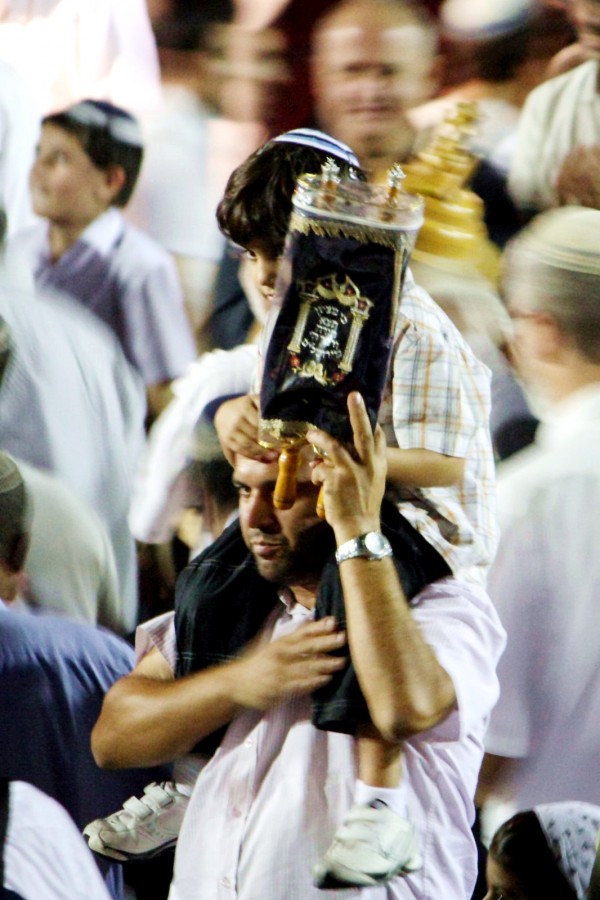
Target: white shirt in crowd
45, 856
266, 805
160, 487
558, 115
544, 583
68, 50
70, 563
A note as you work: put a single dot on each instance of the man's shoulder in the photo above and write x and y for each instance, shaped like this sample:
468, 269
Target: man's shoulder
61, 640
550, 92
538, 478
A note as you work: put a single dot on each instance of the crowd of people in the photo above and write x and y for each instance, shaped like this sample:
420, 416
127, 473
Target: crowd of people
387, 685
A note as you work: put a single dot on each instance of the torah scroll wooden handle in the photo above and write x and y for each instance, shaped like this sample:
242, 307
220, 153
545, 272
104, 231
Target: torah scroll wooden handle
285, 486
321, 503
284, 494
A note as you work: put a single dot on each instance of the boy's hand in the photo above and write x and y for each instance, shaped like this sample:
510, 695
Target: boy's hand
236, 422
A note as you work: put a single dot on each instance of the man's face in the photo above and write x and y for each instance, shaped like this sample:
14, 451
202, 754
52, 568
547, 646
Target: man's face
529, 346
289, 546
364, 78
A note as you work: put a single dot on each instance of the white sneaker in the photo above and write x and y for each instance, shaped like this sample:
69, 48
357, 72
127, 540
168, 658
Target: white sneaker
371, 846
143, 828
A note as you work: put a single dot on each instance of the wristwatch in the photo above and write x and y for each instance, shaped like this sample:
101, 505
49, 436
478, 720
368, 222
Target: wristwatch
372, 545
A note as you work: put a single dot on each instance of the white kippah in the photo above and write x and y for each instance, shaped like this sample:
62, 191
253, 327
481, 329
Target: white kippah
567, 238
318, 140
485, 19
122, 127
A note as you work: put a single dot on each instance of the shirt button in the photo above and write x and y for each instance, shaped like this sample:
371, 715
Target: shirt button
249, 742
226, 882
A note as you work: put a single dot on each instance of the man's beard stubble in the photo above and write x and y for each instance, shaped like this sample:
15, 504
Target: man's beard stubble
303, 564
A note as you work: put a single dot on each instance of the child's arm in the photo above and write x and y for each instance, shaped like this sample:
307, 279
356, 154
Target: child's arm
423, 468
236, 422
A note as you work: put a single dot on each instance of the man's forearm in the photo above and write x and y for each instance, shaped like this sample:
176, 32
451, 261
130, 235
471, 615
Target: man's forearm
148, 717
406, 689
145, 722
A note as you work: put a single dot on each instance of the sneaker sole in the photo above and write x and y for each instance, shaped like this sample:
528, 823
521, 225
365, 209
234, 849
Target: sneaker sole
125, 856
344, 878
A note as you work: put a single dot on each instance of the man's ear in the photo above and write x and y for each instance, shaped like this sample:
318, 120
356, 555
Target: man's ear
115, 178
550, 340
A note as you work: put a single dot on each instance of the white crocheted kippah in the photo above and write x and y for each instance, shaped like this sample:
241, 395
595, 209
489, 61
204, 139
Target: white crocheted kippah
566, 238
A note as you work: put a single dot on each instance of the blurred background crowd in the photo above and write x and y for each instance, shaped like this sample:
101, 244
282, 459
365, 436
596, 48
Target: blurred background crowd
108, 369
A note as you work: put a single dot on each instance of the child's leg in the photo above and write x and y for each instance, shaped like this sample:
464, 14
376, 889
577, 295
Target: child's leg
375, 842
379, 771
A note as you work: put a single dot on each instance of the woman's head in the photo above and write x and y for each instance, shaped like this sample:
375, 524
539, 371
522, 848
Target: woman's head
544, 852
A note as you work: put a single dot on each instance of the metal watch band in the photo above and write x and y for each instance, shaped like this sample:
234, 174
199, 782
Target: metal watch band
371, 545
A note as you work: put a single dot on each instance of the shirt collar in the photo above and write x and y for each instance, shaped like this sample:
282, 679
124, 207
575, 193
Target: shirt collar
104, 232
293, 608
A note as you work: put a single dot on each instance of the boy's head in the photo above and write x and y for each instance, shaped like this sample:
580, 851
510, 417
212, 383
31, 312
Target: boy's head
109, 136
256, 208
257, 203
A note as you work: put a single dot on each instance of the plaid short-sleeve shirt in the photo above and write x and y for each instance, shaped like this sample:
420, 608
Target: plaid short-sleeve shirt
438, 398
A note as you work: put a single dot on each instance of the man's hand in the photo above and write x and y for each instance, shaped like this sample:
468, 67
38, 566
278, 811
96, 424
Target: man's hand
354, 482
236, 422
295, 664
578, 181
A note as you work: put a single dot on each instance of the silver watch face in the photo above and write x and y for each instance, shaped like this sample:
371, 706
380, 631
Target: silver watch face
376, 543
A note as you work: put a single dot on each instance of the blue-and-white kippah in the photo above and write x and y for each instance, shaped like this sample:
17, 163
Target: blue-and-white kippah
97, 114
318, 140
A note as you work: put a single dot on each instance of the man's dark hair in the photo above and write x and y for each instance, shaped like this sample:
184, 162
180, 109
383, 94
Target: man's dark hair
499, 59
215, 476
257, 203
100, 139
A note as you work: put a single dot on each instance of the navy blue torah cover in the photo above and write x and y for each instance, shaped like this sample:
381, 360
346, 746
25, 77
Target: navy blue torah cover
338, 287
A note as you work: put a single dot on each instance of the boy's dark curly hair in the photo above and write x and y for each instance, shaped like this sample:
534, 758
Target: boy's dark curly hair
257, 203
